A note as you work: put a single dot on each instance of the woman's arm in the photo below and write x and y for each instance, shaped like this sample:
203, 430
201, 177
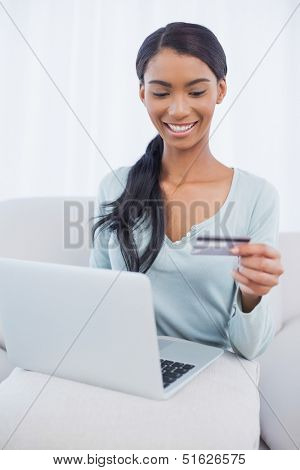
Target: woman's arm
251, 326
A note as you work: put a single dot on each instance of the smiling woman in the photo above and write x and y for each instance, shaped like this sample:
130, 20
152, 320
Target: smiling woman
181, 69
182, 77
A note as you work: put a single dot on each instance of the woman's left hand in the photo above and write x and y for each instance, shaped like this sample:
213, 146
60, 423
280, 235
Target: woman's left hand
259, 269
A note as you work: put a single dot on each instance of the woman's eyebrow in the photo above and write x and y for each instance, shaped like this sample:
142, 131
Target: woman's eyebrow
197, 80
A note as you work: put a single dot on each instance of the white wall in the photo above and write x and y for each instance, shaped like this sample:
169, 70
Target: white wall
89, 48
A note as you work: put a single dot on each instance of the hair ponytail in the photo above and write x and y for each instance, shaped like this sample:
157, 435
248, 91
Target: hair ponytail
142, 193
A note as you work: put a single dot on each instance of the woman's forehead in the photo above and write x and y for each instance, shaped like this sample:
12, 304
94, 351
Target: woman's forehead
168, 65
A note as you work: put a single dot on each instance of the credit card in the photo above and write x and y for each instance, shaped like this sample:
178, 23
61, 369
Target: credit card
206, 245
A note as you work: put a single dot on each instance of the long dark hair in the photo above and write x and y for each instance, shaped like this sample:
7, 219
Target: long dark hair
143, 178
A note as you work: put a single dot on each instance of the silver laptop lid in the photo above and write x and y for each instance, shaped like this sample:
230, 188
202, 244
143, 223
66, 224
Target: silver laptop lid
81, 323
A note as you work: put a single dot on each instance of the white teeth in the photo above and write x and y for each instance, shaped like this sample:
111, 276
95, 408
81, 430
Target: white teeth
180, 128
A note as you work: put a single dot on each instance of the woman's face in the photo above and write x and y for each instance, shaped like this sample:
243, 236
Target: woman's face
180, 103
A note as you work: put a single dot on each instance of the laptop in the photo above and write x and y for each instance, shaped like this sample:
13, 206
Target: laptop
95, 326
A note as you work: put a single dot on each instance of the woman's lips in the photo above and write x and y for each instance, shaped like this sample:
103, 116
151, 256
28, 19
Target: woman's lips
181, 133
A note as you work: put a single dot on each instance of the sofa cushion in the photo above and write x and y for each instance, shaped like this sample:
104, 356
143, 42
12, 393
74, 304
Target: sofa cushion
219, 409
280, 388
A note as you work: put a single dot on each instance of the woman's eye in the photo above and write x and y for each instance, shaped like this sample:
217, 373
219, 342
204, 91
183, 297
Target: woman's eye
194, 93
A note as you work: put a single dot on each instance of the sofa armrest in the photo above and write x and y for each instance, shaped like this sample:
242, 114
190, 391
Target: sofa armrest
280, 388
2, 344
289, 248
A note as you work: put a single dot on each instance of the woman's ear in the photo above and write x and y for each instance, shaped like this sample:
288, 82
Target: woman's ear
142, 93
222, 90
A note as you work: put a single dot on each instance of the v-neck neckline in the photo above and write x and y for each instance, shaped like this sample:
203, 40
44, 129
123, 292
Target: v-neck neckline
197, 227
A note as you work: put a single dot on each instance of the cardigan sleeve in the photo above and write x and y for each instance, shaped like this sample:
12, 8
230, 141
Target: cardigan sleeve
251, 333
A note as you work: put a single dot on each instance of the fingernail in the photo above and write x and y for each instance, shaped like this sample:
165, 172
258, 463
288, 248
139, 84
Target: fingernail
234, 250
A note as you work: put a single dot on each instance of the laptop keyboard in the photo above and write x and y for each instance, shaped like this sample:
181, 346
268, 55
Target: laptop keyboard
172, 371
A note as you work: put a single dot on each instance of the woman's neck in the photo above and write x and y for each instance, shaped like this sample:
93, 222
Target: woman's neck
187, 166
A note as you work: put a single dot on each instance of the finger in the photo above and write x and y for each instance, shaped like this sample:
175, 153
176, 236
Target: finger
263, 264
260, 249
258, 277
251, 287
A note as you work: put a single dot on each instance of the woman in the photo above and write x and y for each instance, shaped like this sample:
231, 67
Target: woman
178, 190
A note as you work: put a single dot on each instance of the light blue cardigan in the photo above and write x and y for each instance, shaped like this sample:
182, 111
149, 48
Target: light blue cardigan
196, 297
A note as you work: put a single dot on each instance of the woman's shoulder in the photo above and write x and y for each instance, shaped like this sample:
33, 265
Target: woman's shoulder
254, 184
115, 175
113, 183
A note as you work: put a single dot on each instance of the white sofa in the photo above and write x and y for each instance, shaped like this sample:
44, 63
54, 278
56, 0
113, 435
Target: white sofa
233, 404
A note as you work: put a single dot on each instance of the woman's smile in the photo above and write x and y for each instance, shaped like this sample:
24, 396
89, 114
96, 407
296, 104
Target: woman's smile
180, 131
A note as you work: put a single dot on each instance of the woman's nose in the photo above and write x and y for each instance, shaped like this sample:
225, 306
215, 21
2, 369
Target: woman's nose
179, 108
